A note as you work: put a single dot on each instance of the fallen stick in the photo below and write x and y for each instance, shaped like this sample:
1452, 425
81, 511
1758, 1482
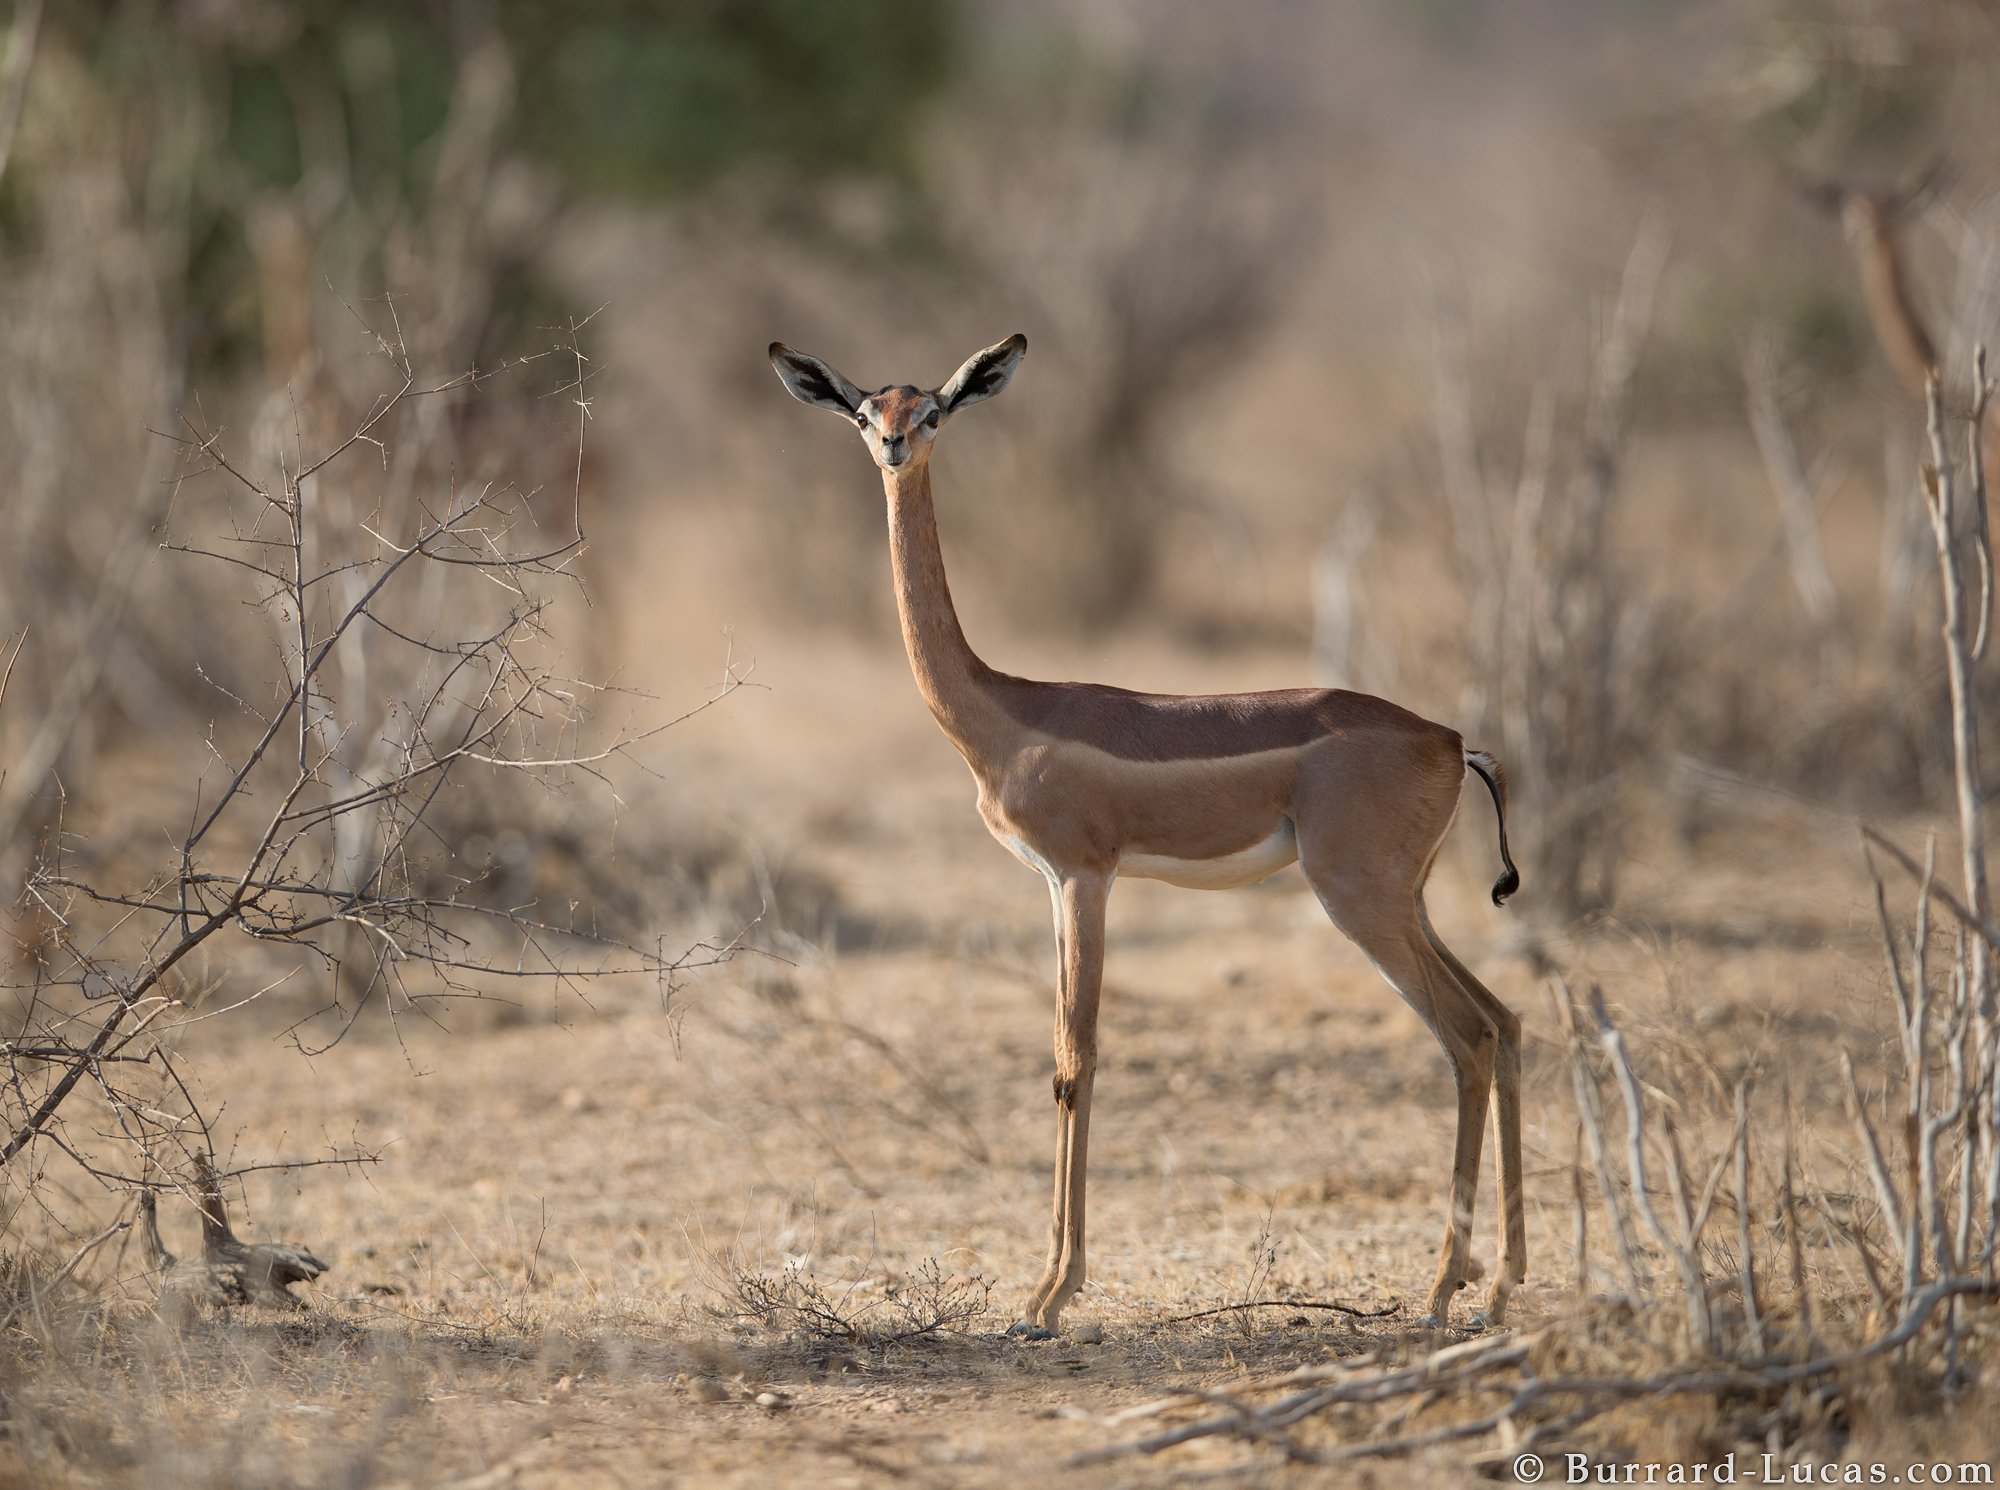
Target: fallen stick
1348, 1309
1464, 1367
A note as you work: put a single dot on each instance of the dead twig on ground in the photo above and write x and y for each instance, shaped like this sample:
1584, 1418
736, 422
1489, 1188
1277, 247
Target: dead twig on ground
1502, 1365
1309, 1305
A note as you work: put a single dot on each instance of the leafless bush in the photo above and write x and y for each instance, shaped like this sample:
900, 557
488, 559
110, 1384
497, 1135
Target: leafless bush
1945, 1204
116, 323
1932, 1237
796, 1303
1566, 656
323, 853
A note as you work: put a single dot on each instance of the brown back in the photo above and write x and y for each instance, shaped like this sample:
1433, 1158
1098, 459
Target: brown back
1175, 727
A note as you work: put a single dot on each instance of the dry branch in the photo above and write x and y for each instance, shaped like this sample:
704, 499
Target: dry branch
42, 1287
1590, 1117
1560, 647
1502, 1366
1797, 506
413, 655
1933, 892
1942, 488
1684, 1248
1301, 1304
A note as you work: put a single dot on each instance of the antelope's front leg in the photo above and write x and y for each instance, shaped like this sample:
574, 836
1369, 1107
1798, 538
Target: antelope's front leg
1080, 908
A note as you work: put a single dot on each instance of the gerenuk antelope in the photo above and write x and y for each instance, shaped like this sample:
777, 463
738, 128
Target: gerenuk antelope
1084, 783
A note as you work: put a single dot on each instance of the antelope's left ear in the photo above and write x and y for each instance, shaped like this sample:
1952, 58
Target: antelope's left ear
812, 381
984, 374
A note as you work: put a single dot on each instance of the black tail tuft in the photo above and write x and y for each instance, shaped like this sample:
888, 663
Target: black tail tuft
1496, 783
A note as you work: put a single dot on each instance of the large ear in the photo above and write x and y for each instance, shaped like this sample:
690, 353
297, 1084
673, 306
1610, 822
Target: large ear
984, 374
813, 382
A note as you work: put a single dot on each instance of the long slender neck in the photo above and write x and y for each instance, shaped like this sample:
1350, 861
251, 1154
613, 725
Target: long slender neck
214, 1219
951, 678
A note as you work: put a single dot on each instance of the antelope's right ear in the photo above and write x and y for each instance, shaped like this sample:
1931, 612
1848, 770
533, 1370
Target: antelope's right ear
811, 381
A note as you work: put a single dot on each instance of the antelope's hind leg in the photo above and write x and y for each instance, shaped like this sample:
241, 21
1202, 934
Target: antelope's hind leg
1512, 1270
1471, 1045
1376, 899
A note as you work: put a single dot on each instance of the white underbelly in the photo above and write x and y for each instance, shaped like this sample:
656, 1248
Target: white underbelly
1244, 867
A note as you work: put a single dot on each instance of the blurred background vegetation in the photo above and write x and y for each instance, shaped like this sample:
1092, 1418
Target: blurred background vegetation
1553, 369
342, 125
1326, 306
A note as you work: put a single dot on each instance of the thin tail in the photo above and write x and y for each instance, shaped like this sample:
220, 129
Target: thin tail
1496, 783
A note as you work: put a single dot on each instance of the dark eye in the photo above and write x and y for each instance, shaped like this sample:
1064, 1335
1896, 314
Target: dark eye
861, 421
931, 420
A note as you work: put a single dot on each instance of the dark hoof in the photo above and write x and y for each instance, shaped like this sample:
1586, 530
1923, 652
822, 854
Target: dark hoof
1022, 1329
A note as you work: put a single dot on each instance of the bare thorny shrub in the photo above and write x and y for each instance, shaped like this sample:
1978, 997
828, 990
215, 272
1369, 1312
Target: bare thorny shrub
1568, 657
288, 610
322, 862
1743, 1282
147, 271
1592, 676
797, 1303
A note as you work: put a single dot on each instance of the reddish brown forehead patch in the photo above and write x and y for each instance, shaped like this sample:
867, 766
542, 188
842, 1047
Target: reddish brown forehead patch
898, 406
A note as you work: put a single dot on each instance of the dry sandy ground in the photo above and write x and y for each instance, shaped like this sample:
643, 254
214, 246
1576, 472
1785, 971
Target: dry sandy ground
534, 1286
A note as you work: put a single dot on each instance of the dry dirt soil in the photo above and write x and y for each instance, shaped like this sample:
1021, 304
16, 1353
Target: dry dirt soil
539, 1285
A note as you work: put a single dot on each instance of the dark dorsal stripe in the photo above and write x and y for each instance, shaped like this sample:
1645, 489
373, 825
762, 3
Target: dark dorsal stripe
1161, 727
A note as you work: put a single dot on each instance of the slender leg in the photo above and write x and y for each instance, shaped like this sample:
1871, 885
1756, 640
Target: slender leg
1030, 1322
1469, 1043
1513, 1266
1081, 941
1386, 922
